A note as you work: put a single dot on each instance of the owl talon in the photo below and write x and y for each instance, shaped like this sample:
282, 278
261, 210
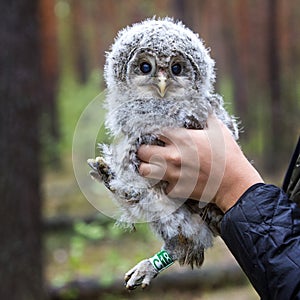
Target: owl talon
144, 286
93, 164
126, 278
140, 275
96, 176
101, 171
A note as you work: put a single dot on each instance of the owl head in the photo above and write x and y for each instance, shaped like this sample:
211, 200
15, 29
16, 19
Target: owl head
159, 58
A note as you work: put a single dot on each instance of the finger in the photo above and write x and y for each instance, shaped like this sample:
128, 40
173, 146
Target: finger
176, 191
152, 171
149, 153
169, 190
212, 118
164, 136
213, 123
169, 135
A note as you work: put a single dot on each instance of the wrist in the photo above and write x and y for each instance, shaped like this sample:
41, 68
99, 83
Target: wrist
235, 186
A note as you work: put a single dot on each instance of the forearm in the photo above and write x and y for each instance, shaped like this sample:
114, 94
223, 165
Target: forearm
262, 231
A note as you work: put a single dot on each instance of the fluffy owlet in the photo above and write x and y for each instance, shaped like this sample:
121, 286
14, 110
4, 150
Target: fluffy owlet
159, 75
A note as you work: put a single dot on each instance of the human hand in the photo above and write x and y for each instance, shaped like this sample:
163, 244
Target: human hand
205, 165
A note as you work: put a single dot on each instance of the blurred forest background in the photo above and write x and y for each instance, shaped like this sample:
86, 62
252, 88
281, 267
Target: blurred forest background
54, 244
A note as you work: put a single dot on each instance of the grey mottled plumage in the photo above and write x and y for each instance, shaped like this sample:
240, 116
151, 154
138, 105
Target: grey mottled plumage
159, 74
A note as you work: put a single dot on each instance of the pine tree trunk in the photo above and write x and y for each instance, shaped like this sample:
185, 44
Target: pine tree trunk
50, 74
277, 139
20, 231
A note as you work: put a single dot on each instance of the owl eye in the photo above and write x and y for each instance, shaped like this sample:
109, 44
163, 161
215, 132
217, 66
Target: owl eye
176, 69
145, 67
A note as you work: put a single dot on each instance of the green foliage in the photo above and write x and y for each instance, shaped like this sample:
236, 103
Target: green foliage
95, 250
72, 100
70, 294
226, 91
90, 231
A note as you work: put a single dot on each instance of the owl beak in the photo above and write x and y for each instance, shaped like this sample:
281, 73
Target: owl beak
162, 84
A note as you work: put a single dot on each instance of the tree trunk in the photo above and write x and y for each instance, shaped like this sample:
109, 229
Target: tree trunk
79, 41
275, 145
50, 73
20, 231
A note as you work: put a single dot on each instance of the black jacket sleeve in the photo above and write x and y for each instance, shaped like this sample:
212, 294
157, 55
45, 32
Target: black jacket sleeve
262, 230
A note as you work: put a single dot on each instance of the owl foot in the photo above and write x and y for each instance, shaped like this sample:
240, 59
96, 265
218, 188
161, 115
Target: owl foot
140, 275
101, 171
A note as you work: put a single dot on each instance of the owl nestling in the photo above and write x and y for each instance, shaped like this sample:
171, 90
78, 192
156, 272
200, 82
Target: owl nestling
159, 75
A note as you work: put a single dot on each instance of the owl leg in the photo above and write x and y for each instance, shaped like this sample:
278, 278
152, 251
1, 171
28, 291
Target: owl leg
141, 274
102, 172
147, 269
185, 251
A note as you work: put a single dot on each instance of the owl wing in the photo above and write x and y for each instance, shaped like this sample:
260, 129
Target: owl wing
210, 213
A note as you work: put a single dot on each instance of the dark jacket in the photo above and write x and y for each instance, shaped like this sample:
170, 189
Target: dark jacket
262, 230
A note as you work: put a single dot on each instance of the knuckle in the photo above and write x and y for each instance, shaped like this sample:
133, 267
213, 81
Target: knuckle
175, 159
173, 191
